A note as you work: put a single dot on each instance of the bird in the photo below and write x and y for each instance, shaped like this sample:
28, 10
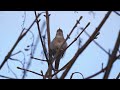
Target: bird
55, 46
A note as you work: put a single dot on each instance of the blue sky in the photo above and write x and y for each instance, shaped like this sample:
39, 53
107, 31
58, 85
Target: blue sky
89, 62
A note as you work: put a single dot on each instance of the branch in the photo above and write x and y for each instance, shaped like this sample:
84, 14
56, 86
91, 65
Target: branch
78, 36
11, 70
6, 77
16, 43
61, 69
102, 70
118, 76
40, 36
97, 44
42, 40
68, 36
16, 53
85, 45
112, 58
38, 59
117, 13
30, 71
34, 49
48, 29
48, 35
76, 72
16, 60
118, 57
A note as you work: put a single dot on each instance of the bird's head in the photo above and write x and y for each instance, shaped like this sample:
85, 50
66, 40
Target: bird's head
59, 32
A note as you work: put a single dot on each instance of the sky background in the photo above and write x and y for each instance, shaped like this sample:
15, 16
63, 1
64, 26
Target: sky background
88, 63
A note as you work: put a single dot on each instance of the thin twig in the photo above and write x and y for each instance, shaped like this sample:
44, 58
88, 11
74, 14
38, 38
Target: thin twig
117, 13
38, 59
30, 71
79, 51
118, 76
24, 18
102, 70
16, 60
6, 77
75, 73
11, 70
15, 53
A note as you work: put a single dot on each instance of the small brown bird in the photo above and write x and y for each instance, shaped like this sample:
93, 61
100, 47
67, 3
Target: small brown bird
56, 44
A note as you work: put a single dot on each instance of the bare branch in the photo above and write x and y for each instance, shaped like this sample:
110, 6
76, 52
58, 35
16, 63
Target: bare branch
112, 58
75, 73
85, 45
16, 53
30, 71
6, 77
102, 70
48, 35
24, 18
16, 60
48, 29
38, 59
78, 36
117, 13
33, 50
118, 76
16, 43
11, 70
97, 43
64, 67
68, 36
40, 36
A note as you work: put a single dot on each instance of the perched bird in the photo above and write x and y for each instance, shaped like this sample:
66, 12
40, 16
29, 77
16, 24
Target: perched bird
56, 44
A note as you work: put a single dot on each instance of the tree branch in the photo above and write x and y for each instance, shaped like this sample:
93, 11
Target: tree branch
102, 70
76, 72
48, 29
41, 36
16, 43
77, 36
97, 44
38, 59
30, 71
6, 77
85, 45
118, 76
117, 13
112, 58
